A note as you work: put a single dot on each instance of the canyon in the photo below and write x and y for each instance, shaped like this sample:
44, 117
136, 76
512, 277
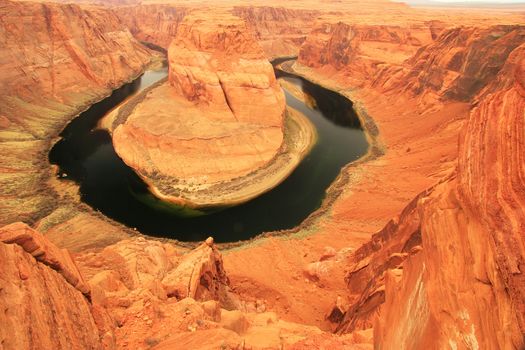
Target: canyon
417, 245
216, 133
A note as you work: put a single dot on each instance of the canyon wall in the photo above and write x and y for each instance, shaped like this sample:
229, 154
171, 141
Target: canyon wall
153, 23
468, 292
42, 295
358, 50
54, 61
456, 250
280, 31
457, 65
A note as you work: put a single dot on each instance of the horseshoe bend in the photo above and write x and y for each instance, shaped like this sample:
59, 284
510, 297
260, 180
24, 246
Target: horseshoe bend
213, 135
264, 175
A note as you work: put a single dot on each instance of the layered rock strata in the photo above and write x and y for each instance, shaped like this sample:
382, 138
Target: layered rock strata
359, 51
153, 23
457, 65
280, 31
214, 134
477, 213
453, 252
42, 291
55, 60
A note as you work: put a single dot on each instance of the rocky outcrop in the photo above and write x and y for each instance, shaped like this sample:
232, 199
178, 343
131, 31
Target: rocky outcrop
41, 292
370, 264
280, 31
153, 23
458, 65
468, 257
220, 64
199, 275
54, 61
360, 50
45, 252
213, 134
151, 294
131, 268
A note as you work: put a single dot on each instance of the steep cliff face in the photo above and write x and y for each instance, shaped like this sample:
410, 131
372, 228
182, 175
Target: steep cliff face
461, 284
42, 301
360, 50
152, 23
54, 60
280, 31
220, 64
369, 266
53, 54
458, 64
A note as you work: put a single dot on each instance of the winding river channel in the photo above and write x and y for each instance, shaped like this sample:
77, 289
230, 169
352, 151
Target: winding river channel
85, 155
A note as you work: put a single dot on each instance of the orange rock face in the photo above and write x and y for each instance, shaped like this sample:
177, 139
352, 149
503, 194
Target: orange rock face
153, 23
477, 269
455, 249
220, 118
426, 234
280, 31
217, 62
67, 51
41, 292
458, 65
360, 50
54, 61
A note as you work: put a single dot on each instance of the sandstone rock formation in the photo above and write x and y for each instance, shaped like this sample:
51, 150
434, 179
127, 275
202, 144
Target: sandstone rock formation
360, 50
41, 293
217, 62
446, 271
408, 267
54, 61
477, 270
131, 302
45, 252
200, 275
153, 23
458, 64
280, 31
214, 134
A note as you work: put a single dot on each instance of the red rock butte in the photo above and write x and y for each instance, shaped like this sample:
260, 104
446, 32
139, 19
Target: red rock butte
219, 121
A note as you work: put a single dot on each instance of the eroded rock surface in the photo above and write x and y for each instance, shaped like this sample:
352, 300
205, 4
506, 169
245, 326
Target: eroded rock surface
41, 292
214, 134
445, 272
55, 60
280, 31
358, 50
458, 64
454, 252
153, 23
